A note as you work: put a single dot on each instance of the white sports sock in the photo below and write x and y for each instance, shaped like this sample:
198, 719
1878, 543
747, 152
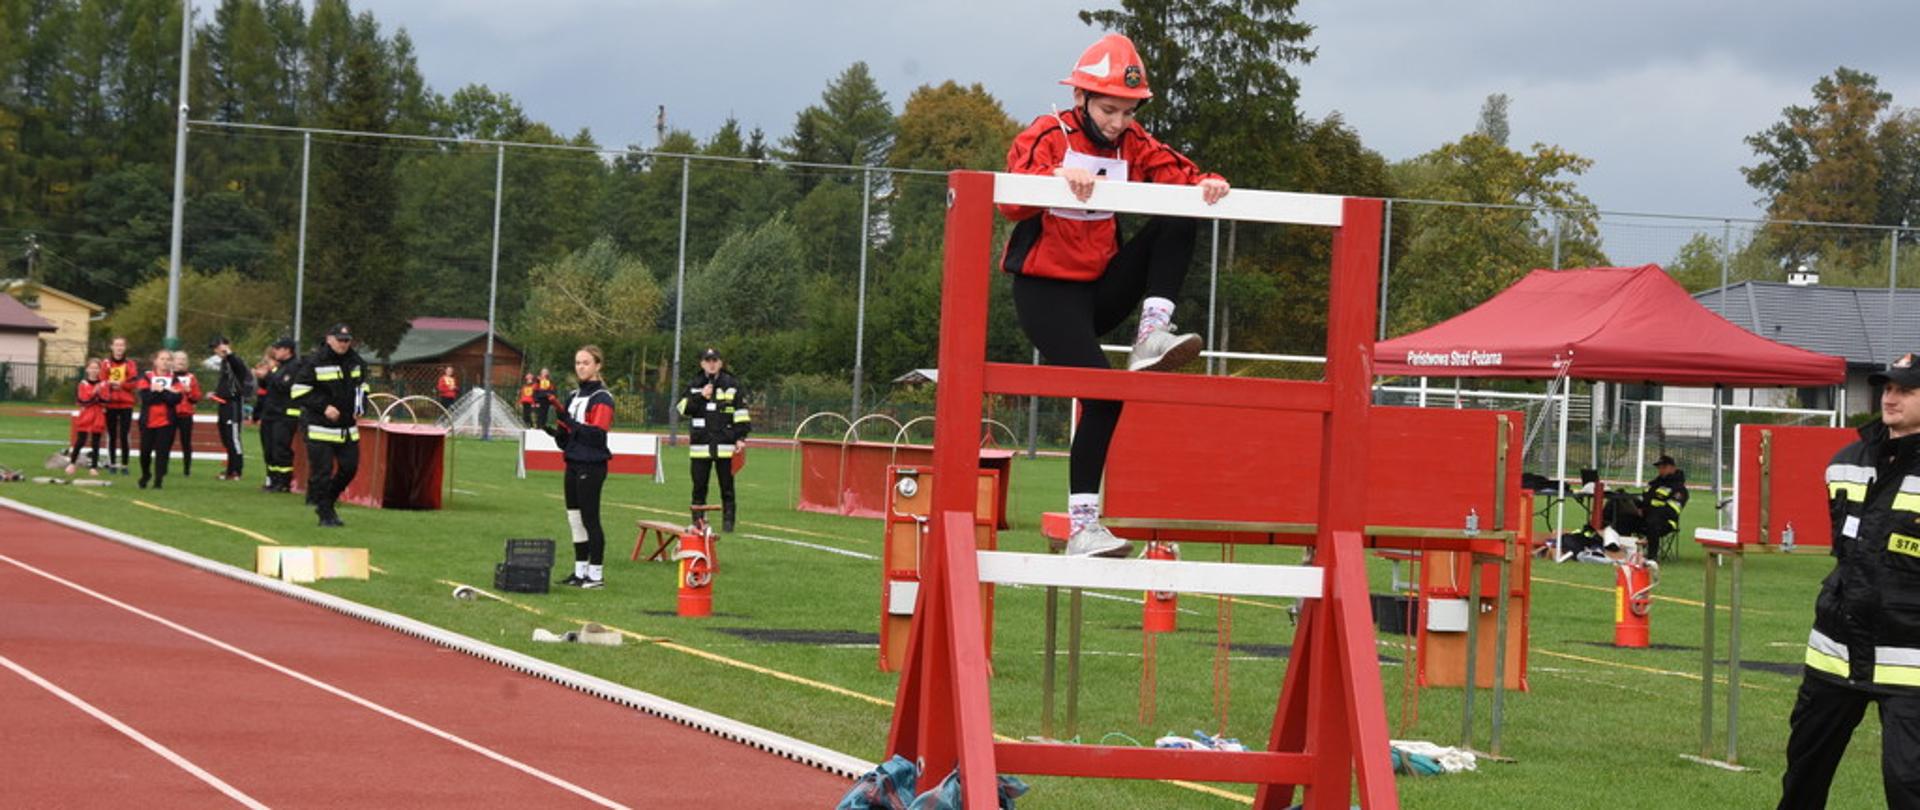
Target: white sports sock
1155, 313
580, 569
593, 572
1083, 508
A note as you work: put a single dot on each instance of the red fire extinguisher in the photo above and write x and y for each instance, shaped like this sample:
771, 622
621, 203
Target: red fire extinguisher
1162, 606
1633, 584
695, 556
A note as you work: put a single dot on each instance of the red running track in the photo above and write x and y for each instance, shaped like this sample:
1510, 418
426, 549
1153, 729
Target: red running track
131, 680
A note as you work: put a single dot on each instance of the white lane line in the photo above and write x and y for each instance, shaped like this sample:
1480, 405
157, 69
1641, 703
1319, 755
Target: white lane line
165, 753
328, 688
859, 555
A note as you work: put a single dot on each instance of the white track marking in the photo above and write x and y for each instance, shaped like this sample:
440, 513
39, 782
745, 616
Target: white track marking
165, 753
326, 687
861, 555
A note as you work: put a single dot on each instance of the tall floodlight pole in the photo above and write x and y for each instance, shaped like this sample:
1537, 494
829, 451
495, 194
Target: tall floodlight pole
300, 252
679, 300
493, 293
179, 176
860, 313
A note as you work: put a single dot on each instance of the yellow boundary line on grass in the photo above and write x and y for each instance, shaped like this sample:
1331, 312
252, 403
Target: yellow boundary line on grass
1674, 599
1692, 676
669, 644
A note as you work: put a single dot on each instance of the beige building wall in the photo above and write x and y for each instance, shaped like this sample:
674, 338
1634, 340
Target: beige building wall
66, 347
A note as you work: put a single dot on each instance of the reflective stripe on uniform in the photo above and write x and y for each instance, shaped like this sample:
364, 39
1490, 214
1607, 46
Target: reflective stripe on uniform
699, 422
331, 434
1908, 499
326, 373
1898, 666
725, 394
299, 391
1850, 480
740, 416
293, 411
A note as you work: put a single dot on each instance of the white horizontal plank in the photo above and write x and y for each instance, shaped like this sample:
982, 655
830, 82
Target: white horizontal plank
1244, 205
1238, 579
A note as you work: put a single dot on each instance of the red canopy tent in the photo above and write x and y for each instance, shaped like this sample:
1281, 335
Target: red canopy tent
1620, 324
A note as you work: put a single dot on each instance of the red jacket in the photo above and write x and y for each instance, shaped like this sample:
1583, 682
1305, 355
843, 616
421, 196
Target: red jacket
92, 416
447, 387
159, 395
190, 393
1079, 250
127, 374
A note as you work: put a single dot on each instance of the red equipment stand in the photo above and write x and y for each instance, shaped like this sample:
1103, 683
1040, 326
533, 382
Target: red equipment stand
1330, 728
402, 466
908, 502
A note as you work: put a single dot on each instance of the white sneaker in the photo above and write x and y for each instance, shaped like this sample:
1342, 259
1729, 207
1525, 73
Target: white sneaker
1162, 350
1093, 540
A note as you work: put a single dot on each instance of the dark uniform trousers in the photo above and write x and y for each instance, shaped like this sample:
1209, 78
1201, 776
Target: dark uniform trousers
277, 436
721, 467
230, 421
1824, 716
330, 468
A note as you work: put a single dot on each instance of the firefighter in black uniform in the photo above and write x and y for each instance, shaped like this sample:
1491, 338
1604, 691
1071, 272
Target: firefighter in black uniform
279, 417
1865, 643
717, 422
1660, 505
330, 389
230, 395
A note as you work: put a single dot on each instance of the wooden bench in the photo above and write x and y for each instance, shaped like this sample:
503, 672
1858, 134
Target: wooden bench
665, 535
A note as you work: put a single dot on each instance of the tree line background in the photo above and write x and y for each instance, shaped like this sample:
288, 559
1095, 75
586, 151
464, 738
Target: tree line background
590, 240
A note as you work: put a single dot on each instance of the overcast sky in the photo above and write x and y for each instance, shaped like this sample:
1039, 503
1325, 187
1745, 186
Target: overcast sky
1658, 94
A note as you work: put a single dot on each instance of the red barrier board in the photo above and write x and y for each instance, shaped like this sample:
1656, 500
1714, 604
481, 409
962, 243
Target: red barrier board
850, 478
1426, 467
1781, 481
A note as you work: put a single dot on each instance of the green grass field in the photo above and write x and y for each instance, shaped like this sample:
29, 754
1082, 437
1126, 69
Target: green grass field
1601, 727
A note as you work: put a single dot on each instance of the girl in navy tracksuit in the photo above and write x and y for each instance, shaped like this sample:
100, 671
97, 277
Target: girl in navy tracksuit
581, 431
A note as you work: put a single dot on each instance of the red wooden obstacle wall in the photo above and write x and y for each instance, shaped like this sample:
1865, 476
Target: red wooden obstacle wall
942, 715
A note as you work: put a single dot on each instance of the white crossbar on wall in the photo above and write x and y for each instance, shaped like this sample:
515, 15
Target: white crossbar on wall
1245, 205
1237, 579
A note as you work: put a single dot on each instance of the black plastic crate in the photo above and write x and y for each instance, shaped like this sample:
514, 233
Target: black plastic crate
521, 578
1394, 614
536, 553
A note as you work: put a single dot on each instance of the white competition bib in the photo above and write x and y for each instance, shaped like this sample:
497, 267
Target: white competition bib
1104, 168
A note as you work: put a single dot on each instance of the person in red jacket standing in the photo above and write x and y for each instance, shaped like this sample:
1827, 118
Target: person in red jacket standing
90, 421
527, 386
119, 373
159, 396
1074, 280
190, 394
447, 389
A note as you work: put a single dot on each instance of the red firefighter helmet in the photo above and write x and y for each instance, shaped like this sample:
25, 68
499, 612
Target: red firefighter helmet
1110, 67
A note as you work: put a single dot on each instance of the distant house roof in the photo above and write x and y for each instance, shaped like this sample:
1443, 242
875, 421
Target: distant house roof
428, 339
1851, 322
20, 287
15, 317
918, 376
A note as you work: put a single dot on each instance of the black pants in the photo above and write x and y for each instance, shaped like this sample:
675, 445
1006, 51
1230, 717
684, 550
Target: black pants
540, 411
330, 468
156, 445
85, 437
1824, 716
526, 414
183, 428
120, 434
229, 426
276, 440
722, 467
583, 483
1065, 320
